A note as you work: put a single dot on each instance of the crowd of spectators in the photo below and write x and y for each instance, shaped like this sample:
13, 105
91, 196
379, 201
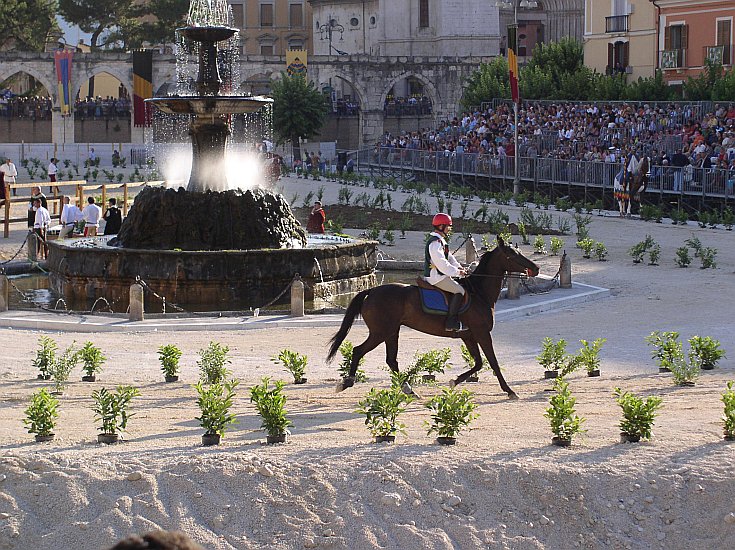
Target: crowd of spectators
407, 106
103, 108
345, 107
34, 107
606, 133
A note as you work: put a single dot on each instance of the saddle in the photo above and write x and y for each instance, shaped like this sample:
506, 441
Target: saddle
435, 301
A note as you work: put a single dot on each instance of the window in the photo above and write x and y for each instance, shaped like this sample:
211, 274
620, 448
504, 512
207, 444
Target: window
354, 21
238, 17
295, 44
372, 20
266, 15
266, 49
296, 15
676, 41
724, 33
617, 57
620, 7
423, 13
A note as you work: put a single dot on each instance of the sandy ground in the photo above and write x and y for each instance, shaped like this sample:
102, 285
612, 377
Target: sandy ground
502, 486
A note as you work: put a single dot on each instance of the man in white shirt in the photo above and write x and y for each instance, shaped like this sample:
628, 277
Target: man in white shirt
10, 172
52, 171
70, 215
92, 214
41, 224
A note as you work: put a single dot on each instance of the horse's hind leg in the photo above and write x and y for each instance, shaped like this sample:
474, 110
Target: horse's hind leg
358, 353
391, 359
474, 350
486, 342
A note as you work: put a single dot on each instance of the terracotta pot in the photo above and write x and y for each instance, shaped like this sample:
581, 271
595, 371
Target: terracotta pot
551, 374
593, 373
385, 438
271, 439
561, 442
210, 439
627, 438
42, 438
89, 378
428, 378
446, 440
300, 381
172, 378
44, 377
108, 439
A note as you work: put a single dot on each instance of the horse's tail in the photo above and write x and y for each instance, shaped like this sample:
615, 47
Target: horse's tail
353, 310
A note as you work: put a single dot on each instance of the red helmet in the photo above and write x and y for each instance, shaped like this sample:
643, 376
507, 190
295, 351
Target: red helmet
441, 219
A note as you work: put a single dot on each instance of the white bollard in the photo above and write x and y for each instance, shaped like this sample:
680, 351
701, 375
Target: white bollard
470, 250
32, 243
135, 313
4, 293
514, 286
297, 298
565, 272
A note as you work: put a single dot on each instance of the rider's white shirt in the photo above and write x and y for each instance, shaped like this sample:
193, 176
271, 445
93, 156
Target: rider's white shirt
449, 267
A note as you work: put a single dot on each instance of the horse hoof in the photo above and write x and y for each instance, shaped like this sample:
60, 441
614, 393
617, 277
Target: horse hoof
512, 396
452, 383
408, 390
344, 384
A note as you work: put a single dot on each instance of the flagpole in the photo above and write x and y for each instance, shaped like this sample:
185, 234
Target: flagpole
516, 151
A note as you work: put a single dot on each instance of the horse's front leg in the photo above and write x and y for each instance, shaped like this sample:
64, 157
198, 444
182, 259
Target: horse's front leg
474, 350
486, 342
391, 359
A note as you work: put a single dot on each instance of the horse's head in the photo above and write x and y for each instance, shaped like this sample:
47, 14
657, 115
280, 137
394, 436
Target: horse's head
512, 261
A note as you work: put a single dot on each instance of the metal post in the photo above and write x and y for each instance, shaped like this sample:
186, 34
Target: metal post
136, 311
516, 151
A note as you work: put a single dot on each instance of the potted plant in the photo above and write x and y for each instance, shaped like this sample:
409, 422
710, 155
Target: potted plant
293, 362
271, 406
431, 363
111, 409
215, 401
553, 357
381, 409
92, 359
45, 356
589, 356
451, 411
707, 350
470, 362
684, 372
346, 350
728, 398
565, 423
61, 368
666, 345
211, 363
638, 415
169, 356
41, 415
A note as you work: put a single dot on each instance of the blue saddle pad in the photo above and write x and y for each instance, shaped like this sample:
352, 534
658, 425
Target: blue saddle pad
435, 302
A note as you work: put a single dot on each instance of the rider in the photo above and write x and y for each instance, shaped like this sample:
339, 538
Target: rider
440, 266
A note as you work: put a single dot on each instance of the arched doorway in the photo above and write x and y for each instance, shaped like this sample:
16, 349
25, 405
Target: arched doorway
346, 103
102, 109
25, 109
408, 105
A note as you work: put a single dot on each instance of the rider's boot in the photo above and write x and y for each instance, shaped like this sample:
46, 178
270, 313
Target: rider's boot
453, 324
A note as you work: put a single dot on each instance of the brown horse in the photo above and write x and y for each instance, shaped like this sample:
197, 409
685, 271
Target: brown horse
632, 187
385, 308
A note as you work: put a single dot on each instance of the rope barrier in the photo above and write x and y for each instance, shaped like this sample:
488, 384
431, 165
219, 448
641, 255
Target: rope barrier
142, 283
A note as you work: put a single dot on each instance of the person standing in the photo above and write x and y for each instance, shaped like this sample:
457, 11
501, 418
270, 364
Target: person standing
52, 171
10, 172
315, 223
112, 217
70, 215
36, 193
41, 223
92, 214
679, 161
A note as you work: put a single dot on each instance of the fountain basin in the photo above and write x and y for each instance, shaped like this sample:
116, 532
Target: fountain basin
87, 269
209, 105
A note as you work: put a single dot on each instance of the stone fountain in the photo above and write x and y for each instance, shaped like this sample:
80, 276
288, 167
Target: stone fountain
211, 245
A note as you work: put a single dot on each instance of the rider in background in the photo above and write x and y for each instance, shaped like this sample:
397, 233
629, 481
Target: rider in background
440, 266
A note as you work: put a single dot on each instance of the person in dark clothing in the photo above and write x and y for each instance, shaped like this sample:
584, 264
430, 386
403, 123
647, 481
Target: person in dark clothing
679, 161
315, 223
36, 193
113, 217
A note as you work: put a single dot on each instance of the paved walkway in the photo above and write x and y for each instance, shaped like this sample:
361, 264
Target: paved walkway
527, 304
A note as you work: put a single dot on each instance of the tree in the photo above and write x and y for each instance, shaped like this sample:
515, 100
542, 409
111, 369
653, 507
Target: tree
169, 15
724, 88
299, 110
560, 59
487, 82
98, 16
24, 24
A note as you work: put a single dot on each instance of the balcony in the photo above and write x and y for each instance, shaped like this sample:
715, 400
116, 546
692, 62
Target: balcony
616, 23
718, 54
673, 59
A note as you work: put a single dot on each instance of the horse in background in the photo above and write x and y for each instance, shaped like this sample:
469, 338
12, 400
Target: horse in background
629, 185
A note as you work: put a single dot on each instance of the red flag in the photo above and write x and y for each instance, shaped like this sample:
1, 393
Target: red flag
513, 74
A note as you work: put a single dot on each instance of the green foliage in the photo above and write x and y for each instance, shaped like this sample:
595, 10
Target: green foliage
45, 354
638, 415
600, 251
61, 367
700, 88
24, 24
556, 245
589, 354
684, 372
169, 356
539, 245
293, 362
215, 402
42, 413
553, 355
653, 88
564, 61
489, 81
706, 349
299, 109
666, 346
451, 411
91, 358
587, 245
523, 232
695, 244
469, 360
211, 363
434, 361
382, 408
346, 350
728, 398
639, 250
682, 257
111, 408
707, 255
581, 224
561, 412
271, 405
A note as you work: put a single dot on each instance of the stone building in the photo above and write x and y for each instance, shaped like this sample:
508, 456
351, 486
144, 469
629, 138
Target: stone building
270, 27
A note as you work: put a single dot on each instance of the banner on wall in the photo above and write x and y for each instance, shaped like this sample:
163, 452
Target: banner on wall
296, 62
142, 86
62, 60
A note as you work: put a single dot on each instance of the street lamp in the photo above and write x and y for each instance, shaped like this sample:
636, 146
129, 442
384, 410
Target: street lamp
526, 5
328, 29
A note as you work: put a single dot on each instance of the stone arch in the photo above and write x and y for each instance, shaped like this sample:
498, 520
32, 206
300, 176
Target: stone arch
48, 80
429, 87
123, 73
361, 95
